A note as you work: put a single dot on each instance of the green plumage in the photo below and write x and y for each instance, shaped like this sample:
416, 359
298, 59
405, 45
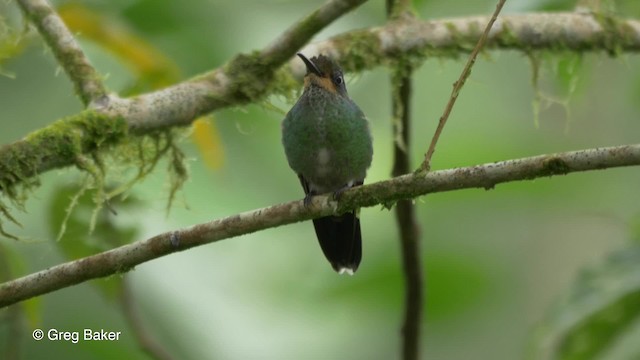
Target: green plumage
327, 142
326, 138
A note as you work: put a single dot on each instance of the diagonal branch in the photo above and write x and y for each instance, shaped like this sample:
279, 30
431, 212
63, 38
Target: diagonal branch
387, 192
85, 78
244, 79
300, 33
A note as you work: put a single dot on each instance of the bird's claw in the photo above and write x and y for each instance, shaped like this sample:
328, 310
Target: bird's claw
308, 198
338, 193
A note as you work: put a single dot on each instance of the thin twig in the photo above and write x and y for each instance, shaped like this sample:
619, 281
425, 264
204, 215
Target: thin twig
131, 313
408, 228
457, 86
387, 192
85, 78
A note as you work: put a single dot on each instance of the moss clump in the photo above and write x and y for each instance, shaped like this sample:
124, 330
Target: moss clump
555, 166
54, 146
364, 50
464, 42
285, 84
251, 76
78, 140
86, 132
510, 40
617, 35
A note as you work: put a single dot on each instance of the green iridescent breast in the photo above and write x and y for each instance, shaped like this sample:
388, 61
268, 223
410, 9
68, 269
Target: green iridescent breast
326, 139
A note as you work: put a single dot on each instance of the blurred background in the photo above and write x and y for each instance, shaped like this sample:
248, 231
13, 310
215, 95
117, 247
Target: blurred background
496, 263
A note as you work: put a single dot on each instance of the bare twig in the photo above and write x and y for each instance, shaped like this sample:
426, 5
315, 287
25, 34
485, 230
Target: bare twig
387, 192
405, 209
85, 78
457, 86
145, 340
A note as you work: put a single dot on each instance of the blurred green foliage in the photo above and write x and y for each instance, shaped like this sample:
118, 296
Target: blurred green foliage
497, 263
597, 311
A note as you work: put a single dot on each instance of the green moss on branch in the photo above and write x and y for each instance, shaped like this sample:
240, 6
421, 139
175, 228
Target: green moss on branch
254, 78
59, 144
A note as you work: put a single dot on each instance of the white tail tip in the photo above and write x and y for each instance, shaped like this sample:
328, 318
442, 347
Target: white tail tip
345, 270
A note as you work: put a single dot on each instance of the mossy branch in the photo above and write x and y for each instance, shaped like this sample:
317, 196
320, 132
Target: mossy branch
387, 192
229, 85
284, 47
110, 119
420, 39
250, 78
68, 141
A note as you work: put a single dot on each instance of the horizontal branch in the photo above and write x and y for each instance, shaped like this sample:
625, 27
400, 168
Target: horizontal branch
249, 78
387, 192
85, 78
581, 32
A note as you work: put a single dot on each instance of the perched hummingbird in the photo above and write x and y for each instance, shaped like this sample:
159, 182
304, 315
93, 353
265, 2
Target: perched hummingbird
327, 142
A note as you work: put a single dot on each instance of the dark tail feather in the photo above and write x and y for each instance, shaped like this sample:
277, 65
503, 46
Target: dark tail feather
341, 241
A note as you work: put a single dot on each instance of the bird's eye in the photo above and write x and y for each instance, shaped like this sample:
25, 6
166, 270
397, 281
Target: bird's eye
339, 80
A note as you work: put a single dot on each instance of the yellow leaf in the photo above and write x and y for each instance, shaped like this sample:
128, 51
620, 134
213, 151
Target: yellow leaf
145, 60
207, 139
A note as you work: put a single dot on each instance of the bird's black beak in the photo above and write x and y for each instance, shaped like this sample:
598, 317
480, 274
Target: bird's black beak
311, 67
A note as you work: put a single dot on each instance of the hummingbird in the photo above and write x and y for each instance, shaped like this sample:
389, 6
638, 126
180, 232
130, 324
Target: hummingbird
327, 143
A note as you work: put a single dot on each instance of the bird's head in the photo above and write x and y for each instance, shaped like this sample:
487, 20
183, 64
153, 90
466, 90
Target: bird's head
324, 73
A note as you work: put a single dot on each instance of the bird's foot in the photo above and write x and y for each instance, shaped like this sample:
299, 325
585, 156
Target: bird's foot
307, 198
338, 193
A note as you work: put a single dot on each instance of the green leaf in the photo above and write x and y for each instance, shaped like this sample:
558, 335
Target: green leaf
596, 313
